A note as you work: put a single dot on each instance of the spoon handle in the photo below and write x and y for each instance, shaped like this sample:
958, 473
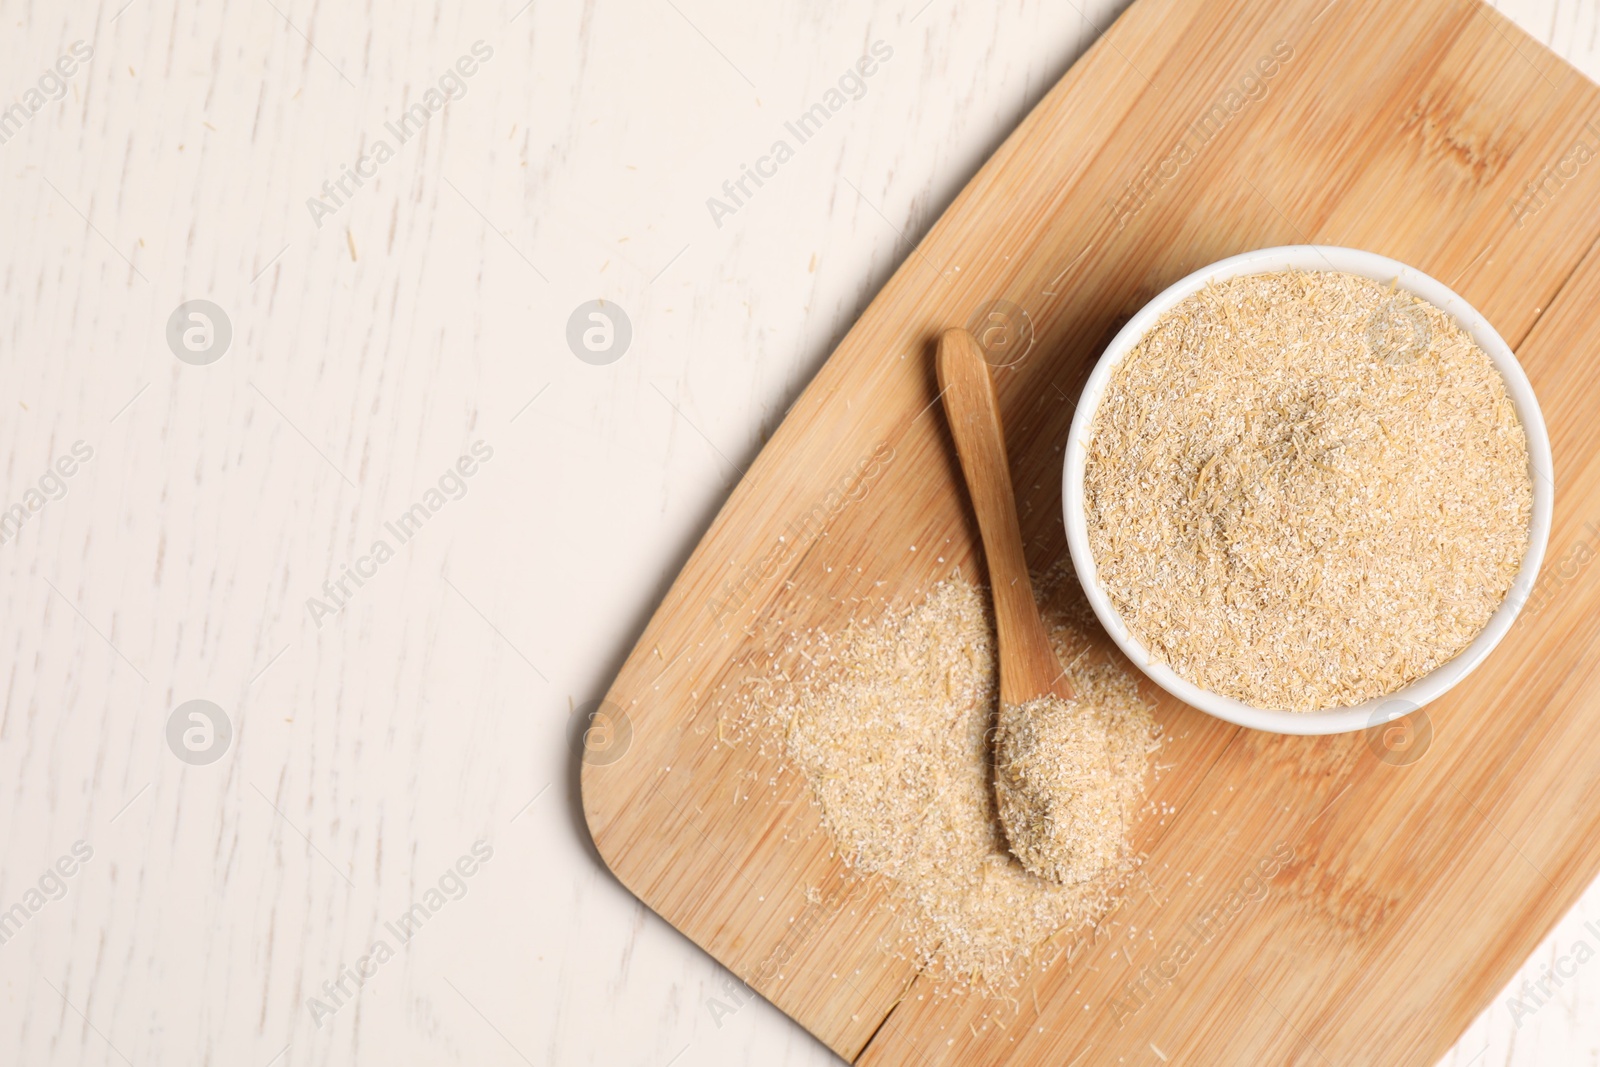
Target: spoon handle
1028, 664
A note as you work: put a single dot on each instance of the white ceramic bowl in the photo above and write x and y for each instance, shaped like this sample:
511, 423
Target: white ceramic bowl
1428, 687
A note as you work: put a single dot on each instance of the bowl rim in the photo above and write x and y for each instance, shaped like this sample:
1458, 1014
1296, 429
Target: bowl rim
1441, 679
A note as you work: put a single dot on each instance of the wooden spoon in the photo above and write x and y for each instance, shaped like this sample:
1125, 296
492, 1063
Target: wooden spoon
1029, 668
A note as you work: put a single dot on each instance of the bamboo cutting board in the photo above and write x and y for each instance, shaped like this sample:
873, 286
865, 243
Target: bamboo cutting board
1303, 900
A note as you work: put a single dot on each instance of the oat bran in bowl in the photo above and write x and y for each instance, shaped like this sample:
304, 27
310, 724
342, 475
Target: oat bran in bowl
1307, 489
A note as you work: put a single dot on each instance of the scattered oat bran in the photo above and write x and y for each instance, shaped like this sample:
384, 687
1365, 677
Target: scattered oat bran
890, 723
1306, 490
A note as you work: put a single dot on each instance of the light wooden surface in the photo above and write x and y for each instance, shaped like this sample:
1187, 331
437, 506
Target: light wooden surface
369, 754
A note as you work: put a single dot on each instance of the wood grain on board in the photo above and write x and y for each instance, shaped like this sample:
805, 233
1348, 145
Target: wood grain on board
1399, 898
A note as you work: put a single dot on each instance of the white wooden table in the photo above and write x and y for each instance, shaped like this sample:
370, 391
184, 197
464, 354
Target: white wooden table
392, 761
